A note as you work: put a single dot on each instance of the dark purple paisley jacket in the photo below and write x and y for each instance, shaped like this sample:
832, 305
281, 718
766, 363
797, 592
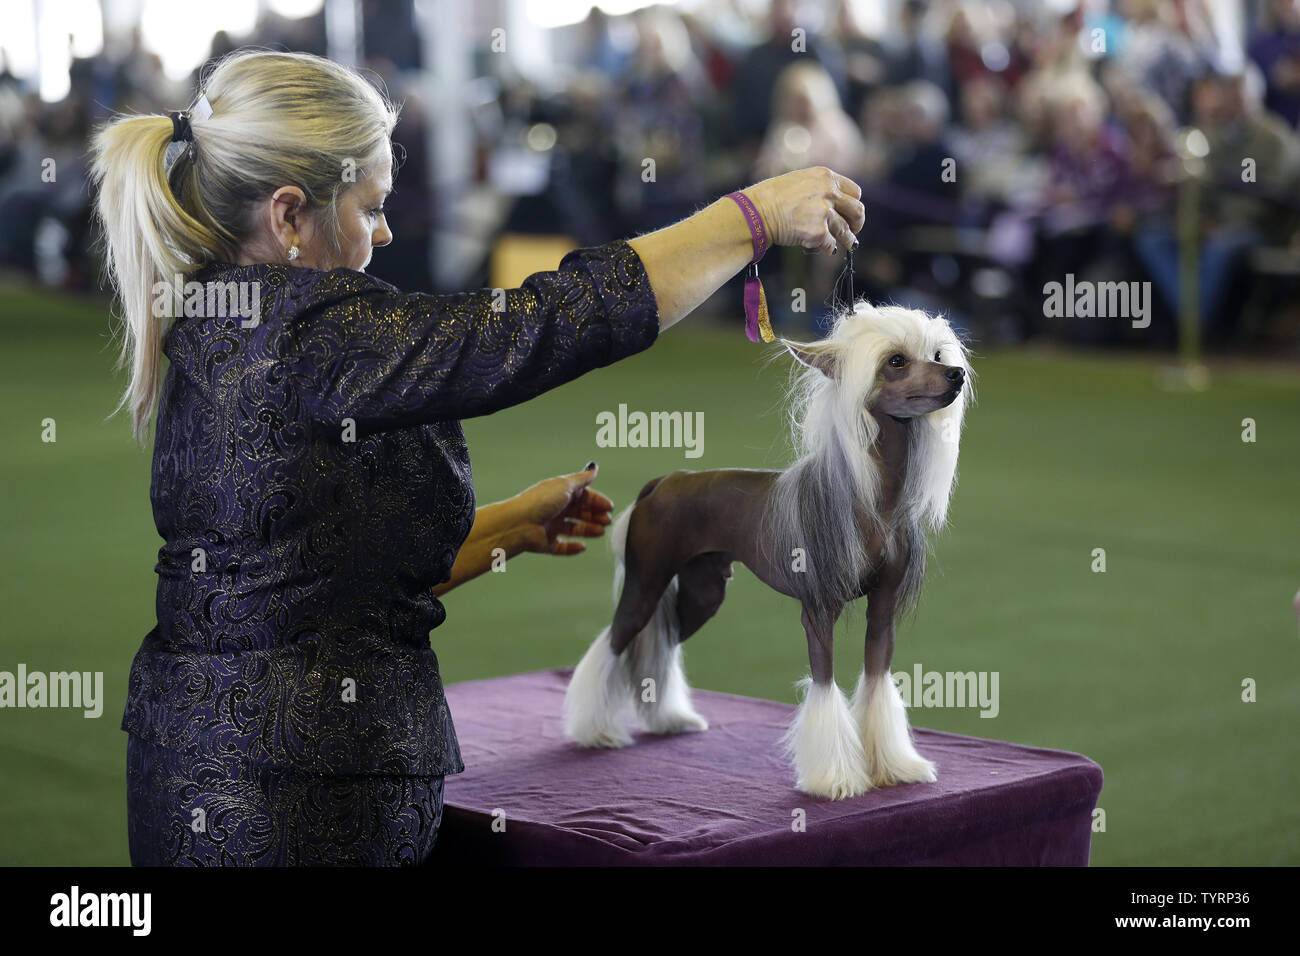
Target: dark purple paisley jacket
294, 583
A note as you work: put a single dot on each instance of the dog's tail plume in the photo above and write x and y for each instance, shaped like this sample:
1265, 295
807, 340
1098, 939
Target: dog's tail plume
618, 544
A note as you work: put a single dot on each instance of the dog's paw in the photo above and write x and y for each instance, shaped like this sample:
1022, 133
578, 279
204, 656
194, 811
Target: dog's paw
912, 768
607, 739
836, 783
678, 723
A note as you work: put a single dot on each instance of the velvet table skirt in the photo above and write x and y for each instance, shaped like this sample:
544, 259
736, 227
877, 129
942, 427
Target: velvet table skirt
725, 796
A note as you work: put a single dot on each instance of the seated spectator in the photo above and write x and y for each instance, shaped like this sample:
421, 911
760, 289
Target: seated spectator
1148, 190
658, 117
919, 191
1087, 166
913, 53
754, 84
1236, 213
980, 41
1087, 160
1168, 45
865, 58
808, 126
879, 121
1238, 128
1275, 49
986, 143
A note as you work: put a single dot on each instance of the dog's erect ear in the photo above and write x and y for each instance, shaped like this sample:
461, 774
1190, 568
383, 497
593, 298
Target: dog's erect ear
822, 359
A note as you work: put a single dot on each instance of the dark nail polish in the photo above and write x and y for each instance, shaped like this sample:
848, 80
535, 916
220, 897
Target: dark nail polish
590, 465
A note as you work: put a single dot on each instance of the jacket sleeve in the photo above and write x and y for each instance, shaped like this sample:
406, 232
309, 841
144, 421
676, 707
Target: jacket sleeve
387, 359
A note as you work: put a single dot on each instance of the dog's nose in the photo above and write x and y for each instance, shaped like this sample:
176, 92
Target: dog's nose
956, 375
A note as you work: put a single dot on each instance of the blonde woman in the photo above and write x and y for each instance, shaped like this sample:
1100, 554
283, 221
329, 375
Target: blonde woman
311, 481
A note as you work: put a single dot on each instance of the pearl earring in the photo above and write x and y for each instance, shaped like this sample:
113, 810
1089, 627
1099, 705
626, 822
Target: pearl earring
293, 252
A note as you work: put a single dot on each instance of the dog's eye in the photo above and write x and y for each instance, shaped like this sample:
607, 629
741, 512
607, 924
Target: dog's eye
897, 361
936, 356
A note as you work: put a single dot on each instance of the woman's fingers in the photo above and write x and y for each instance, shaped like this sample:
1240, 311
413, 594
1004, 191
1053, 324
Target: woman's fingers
846, 215
566, 548
827, 244
836, 234
848, 188
842, 208
840, 232
852, 211
593, 500
593, 512
581, 528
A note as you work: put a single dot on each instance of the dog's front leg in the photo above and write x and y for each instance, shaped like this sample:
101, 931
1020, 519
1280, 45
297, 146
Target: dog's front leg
877, 707
823, 741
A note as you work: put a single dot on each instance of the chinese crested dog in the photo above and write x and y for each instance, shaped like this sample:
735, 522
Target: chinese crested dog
876, 416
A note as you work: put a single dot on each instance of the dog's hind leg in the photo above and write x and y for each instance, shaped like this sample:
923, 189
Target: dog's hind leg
702, 587
691, 598
599, 697
823, 741
653, 663
636, 661
877, 706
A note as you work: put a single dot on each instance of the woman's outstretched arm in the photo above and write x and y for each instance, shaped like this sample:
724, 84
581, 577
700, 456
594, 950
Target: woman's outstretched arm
384, 359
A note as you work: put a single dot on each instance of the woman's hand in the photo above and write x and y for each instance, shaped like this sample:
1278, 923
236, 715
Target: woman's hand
816, 208
532, 520
563, 505
690, 260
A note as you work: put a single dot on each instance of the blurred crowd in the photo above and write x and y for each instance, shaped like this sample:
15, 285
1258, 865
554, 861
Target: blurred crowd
1000, 145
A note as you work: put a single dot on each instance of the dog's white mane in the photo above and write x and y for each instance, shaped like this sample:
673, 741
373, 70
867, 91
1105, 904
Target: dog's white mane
834, 477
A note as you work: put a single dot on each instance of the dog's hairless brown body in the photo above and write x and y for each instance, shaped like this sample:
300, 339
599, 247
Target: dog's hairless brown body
694, 524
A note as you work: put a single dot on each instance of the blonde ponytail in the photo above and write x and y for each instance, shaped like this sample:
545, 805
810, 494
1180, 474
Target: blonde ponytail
149, 238
277, 119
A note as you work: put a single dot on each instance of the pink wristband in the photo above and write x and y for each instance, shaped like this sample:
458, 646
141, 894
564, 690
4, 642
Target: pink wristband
758, 326
755, 222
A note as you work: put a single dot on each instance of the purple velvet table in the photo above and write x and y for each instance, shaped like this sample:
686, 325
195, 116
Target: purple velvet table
725, 796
